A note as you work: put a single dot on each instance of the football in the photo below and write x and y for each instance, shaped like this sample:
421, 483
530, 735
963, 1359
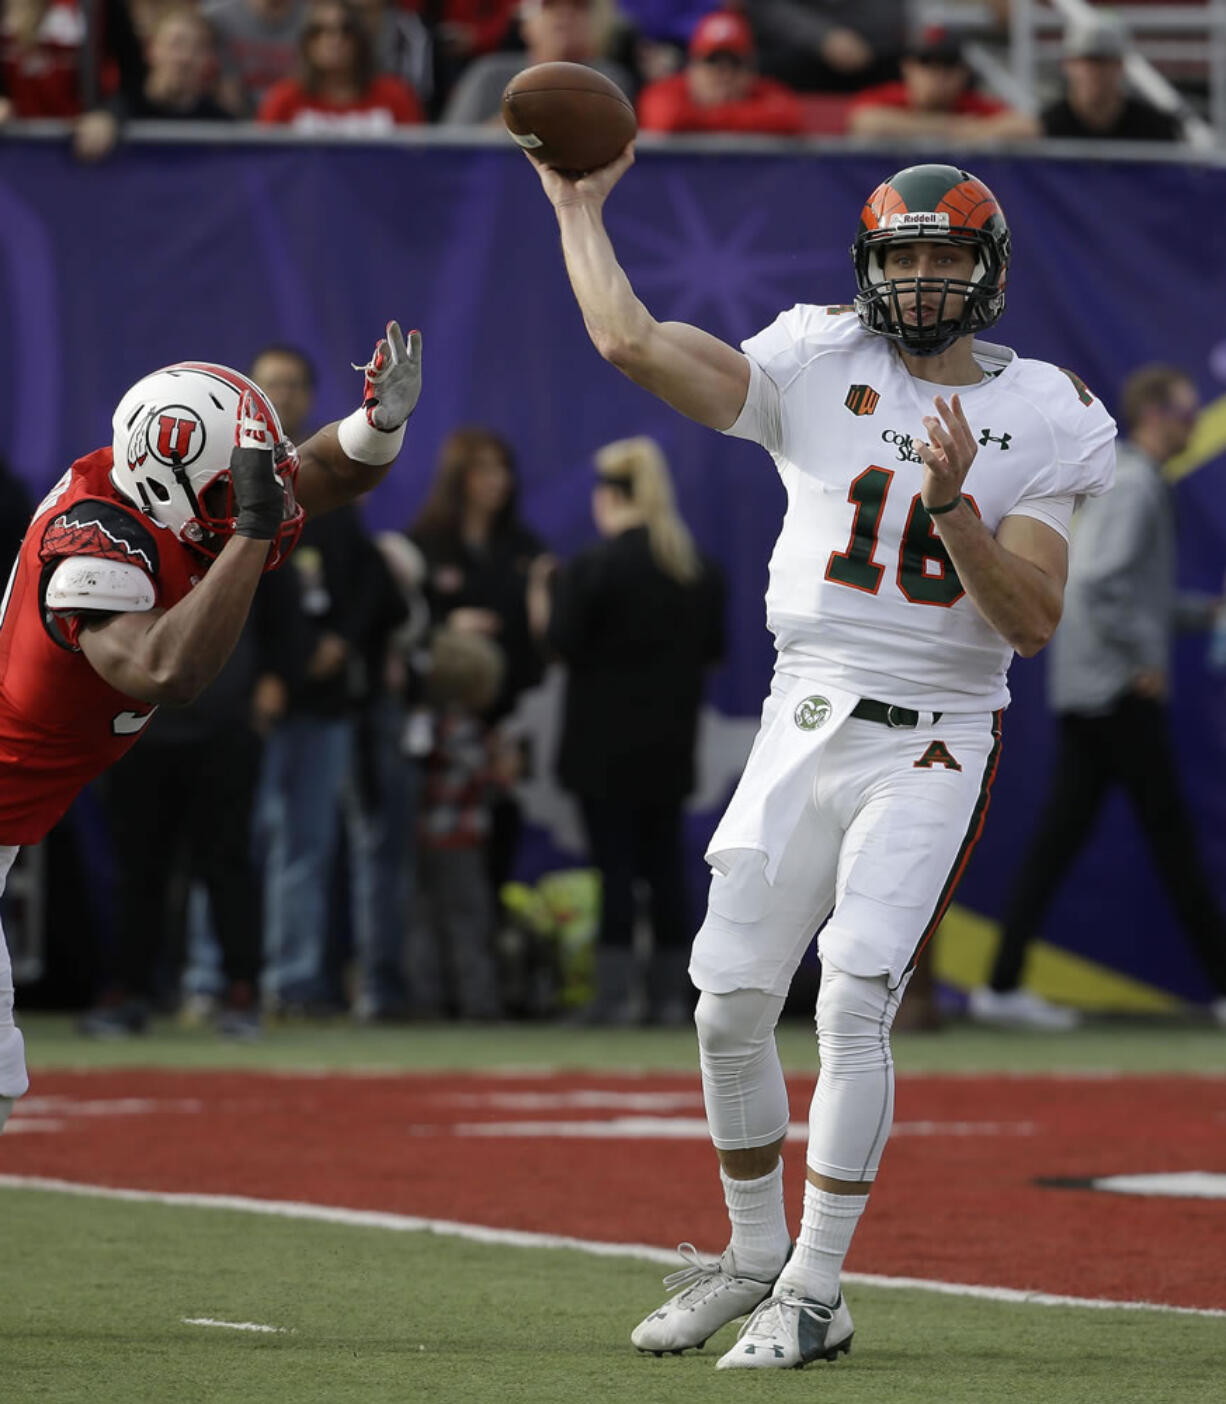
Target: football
568, 116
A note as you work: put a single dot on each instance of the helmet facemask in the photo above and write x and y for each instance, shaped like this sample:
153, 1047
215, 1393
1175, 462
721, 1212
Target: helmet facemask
215, 510
937, 205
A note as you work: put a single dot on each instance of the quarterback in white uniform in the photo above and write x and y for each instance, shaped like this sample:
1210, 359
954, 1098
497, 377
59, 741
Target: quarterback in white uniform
930, 480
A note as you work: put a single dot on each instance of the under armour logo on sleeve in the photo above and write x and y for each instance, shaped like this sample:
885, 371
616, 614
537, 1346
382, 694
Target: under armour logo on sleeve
987, 437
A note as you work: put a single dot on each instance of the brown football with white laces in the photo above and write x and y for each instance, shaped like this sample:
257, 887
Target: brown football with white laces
568, 116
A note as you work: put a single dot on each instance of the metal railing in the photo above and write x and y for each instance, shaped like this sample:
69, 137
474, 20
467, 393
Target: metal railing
205, 134
1192, 36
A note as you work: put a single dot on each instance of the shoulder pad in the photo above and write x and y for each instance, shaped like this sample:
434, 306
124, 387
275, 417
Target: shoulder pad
827, 324
88, 582
100, 529
796, 336
1084, 393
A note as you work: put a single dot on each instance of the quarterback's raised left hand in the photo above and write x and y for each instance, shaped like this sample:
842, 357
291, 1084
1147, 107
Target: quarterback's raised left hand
393, 380
948, 454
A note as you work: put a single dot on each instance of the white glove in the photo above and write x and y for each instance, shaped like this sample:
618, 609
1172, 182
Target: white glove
393, 380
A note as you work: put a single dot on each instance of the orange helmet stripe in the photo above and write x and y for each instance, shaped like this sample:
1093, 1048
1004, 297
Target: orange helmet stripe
880, 205
970, 204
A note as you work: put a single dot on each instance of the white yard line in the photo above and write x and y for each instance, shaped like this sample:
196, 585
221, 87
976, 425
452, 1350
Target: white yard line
1186, 1184
233, 1325
517, 1238
696, 1128
105, 1106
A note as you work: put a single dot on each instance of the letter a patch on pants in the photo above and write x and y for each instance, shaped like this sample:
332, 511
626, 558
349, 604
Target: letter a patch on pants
938, 753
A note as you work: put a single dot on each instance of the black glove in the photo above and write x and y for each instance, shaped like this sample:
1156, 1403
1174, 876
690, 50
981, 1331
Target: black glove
259, 493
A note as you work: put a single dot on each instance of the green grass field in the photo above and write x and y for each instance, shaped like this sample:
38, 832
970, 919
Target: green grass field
1139, 1045
95, 1292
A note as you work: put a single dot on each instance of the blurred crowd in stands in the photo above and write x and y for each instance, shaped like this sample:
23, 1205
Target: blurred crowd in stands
777, 67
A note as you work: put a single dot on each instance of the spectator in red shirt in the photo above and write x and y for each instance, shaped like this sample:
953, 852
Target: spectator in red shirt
40, 52
720, 89
936, 98
55, 64
337, 86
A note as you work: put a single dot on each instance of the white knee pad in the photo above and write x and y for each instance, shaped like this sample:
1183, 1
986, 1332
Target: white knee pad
742, 1078
853, 1104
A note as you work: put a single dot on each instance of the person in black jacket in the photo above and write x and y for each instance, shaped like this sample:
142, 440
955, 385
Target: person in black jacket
178, 86
309, 760
15, 510
637, 619
310, 755
1097, 105
478, 552
171, 840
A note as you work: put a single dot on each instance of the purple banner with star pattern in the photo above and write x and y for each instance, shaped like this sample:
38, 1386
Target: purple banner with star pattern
170, 252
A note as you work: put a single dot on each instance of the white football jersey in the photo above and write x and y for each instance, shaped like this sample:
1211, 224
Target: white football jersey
862, 594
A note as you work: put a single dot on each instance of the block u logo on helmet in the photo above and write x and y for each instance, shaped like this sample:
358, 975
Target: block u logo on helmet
177, 428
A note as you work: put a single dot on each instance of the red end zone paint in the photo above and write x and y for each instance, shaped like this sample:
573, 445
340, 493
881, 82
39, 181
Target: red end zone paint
955, 1205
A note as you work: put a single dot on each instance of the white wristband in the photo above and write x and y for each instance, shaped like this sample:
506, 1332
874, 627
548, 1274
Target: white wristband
362, 442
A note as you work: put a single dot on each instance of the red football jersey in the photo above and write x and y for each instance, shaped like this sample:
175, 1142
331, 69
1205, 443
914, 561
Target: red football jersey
60, 723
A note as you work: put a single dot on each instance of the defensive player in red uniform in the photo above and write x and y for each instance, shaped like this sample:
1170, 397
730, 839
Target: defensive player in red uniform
136, 575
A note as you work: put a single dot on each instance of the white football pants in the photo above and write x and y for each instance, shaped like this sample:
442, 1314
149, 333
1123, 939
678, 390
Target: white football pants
14, 1081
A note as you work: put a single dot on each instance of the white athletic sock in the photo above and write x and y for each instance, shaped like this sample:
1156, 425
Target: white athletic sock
759, 1240
826, 1228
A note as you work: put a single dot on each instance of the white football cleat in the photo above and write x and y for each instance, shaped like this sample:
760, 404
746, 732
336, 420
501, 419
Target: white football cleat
787, 1332
707, 1295
1019, 1009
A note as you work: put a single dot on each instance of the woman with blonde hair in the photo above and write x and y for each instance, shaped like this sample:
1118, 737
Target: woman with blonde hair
637, 619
